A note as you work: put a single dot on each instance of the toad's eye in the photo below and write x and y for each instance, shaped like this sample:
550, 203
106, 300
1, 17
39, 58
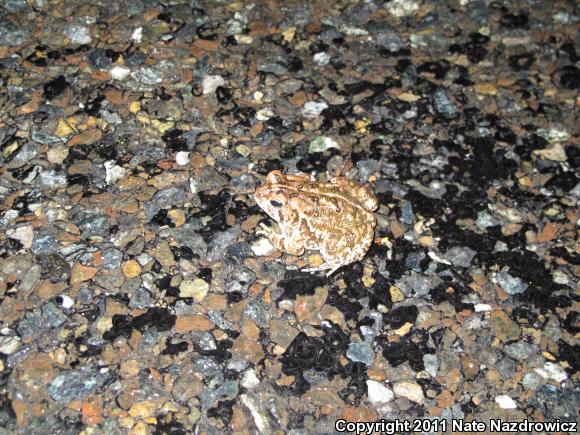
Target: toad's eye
275, 203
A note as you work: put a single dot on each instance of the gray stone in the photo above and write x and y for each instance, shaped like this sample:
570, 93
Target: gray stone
85, 295
151, 209
460, 256
366, 168
44, 138
94, 225
443, 104
204, 340
240, 250
485, 354
238, 162
112, 258
14, 6
72, 385
243, 183
273, 68
135, 59
449, 361
28, 327
170, 196
389, 40
322, 143
54, 267
51, 179
98, 59
361, 351
191, 138
431, 363
147, 76
258, 312
435, 190
510, 284
506, 368
389, 169
239, 279
12, 34
112, 118
52, 316
141, 298
206, 365
415, 284
485, 219
110, 280
149, 338
370, 332
20, 355
238, 364
413, 261
78, 34
218, 320
533, 381
221, 241
288, 87
25, 154
135, 247
188, 236
479, 11
521, 351
407, 216
208, 179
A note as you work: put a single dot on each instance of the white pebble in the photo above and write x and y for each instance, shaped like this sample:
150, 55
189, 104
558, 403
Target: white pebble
211, 83
322, 58
263, 247
409, 390
78, 34
402, 8
182, 158
23, 234
9, 345
312, 109
482, 307
137, 34
552, 371
119, 72
264, 114
249, 379
114, 172
67, 301
378, 393
506, 402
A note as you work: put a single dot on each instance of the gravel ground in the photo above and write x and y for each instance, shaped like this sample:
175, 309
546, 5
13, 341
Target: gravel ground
135, 295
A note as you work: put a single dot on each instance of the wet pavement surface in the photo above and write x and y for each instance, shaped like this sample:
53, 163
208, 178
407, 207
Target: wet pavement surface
135, 294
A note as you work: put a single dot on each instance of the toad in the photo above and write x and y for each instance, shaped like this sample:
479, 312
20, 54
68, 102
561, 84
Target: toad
334, 217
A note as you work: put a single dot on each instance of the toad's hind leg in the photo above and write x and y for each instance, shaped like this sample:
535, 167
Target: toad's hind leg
344, 251
334, 268
331, 267
323, 266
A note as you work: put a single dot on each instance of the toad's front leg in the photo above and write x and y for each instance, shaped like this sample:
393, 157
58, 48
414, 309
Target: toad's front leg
280, 241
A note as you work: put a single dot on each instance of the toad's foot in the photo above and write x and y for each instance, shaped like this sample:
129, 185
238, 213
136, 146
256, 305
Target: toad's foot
326, 266
279, 241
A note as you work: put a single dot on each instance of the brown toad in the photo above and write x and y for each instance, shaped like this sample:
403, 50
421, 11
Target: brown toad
334, 217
